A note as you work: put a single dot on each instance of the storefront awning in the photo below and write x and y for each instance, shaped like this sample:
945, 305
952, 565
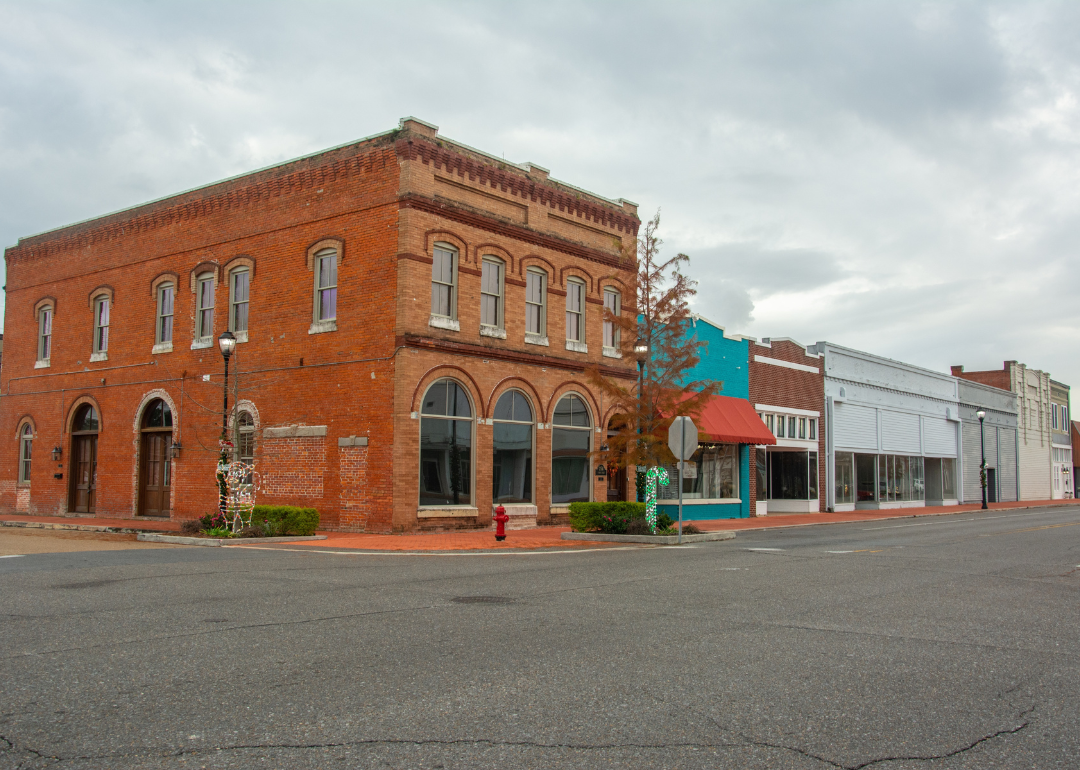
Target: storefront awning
727, 420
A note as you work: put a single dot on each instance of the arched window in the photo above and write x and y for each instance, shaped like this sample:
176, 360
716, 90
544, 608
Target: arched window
83, 464
86, 420
245, 437
239, 283
26, 444
512, 446
157, 415
570, 444
446, 461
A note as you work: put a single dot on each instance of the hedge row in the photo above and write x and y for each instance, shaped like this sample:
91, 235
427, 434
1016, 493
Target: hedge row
285, 519
604, 517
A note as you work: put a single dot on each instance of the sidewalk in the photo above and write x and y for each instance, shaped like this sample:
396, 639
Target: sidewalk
517, 539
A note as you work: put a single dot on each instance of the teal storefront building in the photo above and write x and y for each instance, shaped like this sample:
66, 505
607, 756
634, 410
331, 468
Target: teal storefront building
716, 482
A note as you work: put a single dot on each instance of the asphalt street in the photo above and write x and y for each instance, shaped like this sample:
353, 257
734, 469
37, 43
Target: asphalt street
948, 642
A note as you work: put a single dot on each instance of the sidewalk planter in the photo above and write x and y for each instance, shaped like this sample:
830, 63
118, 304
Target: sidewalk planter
609, 517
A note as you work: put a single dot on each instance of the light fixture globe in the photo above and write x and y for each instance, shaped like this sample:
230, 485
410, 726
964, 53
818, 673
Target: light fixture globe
226, 342
980, 414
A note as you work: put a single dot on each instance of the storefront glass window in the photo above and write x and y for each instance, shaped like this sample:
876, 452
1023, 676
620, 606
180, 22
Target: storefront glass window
845, 477
948, 478
711, 474
446, 446
570, 451
865, 478
789, 477
511, 477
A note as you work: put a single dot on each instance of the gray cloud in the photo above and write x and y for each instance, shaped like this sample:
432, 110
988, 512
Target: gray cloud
894, 176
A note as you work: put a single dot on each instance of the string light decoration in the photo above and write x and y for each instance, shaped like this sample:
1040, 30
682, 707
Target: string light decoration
238, 483
653, 476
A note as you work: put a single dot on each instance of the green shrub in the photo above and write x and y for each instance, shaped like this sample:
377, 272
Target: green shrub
277, 520
663, 521
612, 517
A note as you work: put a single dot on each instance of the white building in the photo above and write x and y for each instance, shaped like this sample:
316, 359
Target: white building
994, 438
892, 432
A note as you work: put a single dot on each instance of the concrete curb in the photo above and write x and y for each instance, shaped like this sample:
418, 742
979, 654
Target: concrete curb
153, 537
650, 539
77, 527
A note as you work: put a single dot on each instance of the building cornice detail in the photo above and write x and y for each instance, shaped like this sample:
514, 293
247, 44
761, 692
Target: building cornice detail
860, 384
517, 184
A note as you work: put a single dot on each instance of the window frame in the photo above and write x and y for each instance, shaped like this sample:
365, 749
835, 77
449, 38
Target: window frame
46, 318
202, 339
579, 320
26, 447
542, 277
500, 298
473, 453
234, 275
587, 429
455, 258
532, 446
317, 317
159, 337
101, 330
612, 326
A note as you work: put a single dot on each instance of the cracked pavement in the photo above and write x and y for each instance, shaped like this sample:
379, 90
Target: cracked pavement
944, 644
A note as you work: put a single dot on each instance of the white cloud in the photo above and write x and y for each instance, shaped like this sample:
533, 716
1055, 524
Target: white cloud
893, 176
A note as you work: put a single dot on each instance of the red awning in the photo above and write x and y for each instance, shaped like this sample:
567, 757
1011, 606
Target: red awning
727, 420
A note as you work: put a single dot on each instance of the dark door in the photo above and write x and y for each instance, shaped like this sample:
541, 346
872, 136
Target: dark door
84, 478
154, 481
991, 485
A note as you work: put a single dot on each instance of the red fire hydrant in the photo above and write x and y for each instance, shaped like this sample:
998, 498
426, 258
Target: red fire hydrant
500, 523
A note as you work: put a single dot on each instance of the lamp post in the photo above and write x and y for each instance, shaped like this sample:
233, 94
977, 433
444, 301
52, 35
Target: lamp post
226, 343
981, 414
641, 351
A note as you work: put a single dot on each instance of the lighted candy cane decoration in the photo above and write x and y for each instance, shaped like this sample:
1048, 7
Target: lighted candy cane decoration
654, 475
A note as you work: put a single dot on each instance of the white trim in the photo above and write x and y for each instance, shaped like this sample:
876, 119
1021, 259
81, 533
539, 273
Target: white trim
787, 410
447, 511
612, 352
796, 443
535, 339
42, 364
492, 331
444, 322
320, 327
787, 364
577, 347
161, 347
102, 356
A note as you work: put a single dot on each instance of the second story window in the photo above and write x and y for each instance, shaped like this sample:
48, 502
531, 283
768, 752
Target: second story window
163, 332
491, 294
443, 273
536, 303
612, 303
575, 312
238, 303
325, 285
204, 312
101, 325
45, 321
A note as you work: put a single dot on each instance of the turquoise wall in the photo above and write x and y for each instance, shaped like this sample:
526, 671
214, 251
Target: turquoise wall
728, 361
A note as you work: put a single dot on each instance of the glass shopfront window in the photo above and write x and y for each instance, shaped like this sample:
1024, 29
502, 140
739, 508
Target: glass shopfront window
446, 430
511, 474
712, 473
570, 445
792, 475
845, 477
865, 478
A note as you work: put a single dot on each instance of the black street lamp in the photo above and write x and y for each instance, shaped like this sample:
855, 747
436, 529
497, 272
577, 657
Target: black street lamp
226, 343
641, 350
982, 468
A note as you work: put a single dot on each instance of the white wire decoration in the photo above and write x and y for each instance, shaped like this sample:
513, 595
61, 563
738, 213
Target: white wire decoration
242, 482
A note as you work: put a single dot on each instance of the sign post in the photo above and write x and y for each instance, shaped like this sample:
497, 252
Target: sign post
683, 442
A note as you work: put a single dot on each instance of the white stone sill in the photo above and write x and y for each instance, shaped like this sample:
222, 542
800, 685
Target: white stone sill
491, 331
611, 353
102, 356
536, 339
161, 347
446, 512
42, 365
442, 322
202, 344
577, 347
321, 327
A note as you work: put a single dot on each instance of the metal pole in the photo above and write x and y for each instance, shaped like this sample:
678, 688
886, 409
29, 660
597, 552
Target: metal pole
682, 465
982, 441
222, 503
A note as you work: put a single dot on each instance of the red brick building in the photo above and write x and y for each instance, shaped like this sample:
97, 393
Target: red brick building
413, 317
787, 389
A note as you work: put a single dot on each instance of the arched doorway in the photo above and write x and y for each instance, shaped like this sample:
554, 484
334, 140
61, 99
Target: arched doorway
84, 434
155, 460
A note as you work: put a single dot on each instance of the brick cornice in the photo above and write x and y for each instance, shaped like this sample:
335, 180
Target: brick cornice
493, 225
479, 351
517, 184
224, 196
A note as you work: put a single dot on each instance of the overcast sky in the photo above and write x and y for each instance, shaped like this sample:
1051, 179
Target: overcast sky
901, 178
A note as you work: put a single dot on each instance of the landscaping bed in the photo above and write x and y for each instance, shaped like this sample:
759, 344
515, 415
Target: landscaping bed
268, 522
625, 520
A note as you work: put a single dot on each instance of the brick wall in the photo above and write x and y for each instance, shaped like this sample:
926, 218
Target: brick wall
383, 202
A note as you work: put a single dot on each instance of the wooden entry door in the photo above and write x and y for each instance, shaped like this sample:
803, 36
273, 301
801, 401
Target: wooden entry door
84, 478
155, 482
